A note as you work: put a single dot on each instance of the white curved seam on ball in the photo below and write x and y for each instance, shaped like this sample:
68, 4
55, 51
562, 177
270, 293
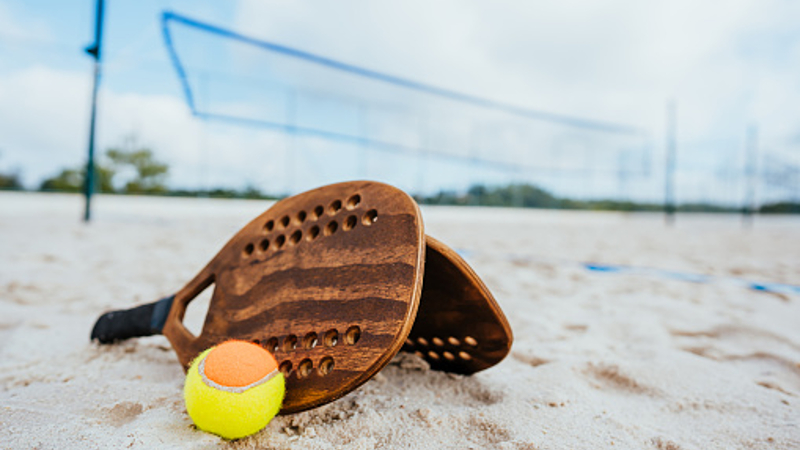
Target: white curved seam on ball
234, 389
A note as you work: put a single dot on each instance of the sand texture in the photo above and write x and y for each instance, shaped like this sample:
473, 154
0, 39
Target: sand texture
600, 359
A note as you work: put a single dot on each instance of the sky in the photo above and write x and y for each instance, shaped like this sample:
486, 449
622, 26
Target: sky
726, 65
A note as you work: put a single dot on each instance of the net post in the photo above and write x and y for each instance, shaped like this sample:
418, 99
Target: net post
95, 51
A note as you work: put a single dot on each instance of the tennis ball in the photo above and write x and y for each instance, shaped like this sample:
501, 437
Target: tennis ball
234, 389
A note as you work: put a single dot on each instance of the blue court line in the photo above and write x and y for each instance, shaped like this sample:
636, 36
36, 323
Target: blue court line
781, 288
691, 277
169, 16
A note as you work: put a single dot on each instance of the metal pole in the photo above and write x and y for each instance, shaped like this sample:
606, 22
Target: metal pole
94, 51
669, 171
750, 176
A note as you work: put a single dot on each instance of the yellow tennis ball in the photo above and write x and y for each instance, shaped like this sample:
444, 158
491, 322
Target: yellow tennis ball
234, 389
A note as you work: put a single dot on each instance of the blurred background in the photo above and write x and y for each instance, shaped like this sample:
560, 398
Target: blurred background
575, 104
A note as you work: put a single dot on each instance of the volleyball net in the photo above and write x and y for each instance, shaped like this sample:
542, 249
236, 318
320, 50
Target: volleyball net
312, 120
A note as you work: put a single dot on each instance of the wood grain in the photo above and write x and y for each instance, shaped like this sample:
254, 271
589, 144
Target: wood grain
328, 280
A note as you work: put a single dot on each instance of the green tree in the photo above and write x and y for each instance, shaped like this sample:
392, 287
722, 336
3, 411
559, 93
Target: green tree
149, 175
132, 168
781, 208
71, 180
10, 181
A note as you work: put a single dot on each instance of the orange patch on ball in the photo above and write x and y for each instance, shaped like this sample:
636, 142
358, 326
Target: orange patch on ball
238, 364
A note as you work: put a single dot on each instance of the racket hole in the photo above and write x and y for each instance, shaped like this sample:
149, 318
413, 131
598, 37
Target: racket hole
272, 345
285, 368
264, 246
248, 250
465, 356
304, 368
285, 221
469, 340
296, 236
353, 201
310, 341
352, 335
331, 228
448, 356
409, 344
325, 365
336, 205
453, 341
280, 240
269, 225
318, 211
313, 232
331, 338
289, 343
350, 223
422, 341
437, 342
420, 354
370, 217
301, 217
433, 355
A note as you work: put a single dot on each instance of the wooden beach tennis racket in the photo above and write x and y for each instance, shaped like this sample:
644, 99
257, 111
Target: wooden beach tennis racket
330, 282
459, 327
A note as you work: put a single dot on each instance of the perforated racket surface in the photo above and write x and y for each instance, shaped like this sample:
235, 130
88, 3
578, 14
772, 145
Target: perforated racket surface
328, 280
459, 327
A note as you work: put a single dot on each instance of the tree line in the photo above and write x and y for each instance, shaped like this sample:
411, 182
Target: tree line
126, 169
138, 170
131, 169
531, 196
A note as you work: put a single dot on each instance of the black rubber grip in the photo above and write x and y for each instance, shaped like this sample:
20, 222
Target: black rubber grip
144, 320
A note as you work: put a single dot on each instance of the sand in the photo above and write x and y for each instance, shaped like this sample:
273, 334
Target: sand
600, 360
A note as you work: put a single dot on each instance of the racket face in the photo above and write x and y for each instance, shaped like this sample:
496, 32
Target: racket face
329, 281
460, 327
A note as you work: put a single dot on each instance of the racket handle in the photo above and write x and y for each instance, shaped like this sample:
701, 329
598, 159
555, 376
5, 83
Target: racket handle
144, 320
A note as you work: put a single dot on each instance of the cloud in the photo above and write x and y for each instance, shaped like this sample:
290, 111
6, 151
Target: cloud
618, 60
43, 122
728, 64
611, 60
44, 127
15, 28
